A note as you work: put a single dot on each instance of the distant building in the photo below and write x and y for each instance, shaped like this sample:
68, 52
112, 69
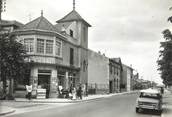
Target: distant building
127, 76
115, 74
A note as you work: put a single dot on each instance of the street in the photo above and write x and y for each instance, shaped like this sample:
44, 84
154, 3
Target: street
120, 106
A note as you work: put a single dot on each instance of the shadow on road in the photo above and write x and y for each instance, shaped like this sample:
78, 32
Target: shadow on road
149, 112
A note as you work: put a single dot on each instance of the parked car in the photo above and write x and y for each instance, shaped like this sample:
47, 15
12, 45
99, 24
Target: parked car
150, 99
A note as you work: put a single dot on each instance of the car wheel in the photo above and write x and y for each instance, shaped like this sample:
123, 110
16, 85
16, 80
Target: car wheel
137, 110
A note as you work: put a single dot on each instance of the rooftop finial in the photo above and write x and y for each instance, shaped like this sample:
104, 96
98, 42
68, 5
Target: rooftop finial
42, 13
73, 4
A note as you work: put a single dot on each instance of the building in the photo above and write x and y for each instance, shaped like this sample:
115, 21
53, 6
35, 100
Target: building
98, 73
115, 74
8, 26
57, 53
127, 75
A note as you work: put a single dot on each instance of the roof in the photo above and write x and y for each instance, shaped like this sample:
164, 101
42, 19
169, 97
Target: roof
10, 23
153, 91
117, 60
73, 16
40, 23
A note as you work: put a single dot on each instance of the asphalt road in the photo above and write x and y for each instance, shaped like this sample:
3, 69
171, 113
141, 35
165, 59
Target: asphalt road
115, 106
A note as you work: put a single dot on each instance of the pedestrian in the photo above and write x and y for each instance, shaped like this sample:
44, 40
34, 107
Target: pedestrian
29, 91
74, 93
80, 92
70, 92
60, 89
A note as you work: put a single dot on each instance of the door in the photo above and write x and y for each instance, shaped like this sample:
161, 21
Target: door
110, 86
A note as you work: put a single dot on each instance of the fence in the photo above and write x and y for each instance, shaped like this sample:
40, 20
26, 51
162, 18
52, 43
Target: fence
95, 88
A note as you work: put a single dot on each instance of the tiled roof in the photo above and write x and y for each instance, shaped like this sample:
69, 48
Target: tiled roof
73, 16
40, 23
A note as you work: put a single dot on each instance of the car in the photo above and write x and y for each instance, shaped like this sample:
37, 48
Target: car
150, 99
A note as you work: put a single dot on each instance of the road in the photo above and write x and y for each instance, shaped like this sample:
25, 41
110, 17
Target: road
115, 106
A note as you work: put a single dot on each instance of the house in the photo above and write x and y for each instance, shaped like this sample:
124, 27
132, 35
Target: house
57, 53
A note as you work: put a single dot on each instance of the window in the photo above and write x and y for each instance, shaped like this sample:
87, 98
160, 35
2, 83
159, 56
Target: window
49, 46
114, 70
40, 45
84, 34
28, 43
111, 69
71, 56
58, 48
71, 33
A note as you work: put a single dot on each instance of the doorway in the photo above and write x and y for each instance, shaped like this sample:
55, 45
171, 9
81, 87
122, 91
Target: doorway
110, 86
44, 82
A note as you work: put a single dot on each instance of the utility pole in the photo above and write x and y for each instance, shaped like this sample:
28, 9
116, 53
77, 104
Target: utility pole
2, 7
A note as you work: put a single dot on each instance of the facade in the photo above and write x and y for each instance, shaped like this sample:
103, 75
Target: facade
57, 53
98, 73
127, 75
115, 74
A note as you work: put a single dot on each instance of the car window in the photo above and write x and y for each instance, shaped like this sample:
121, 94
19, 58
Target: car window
149, 95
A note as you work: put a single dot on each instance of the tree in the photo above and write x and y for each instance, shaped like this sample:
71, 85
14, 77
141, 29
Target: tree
12, 64
165, 57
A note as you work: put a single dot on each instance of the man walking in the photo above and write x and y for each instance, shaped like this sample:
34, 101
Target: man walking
80, 92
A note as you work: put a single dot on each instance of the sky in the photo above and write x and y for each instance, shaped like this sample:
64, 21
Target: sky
129, 29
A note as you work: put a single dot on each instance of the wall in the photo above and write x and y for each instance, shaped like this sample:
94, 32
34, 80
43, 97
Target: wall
98, 70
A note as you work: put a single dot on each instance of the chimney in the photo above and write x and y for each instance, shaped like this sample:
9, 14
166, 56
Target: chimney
99, 52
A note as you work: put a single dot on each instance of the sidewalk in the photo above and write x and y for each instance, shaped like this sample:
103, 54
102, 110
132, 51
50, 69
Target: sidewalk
20, 103
167, 105
64, 100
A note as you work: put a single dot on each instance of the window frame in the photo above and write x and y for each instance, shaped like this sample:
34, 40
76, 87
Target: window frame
30, 46
48, 45
43, 49
56, 49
